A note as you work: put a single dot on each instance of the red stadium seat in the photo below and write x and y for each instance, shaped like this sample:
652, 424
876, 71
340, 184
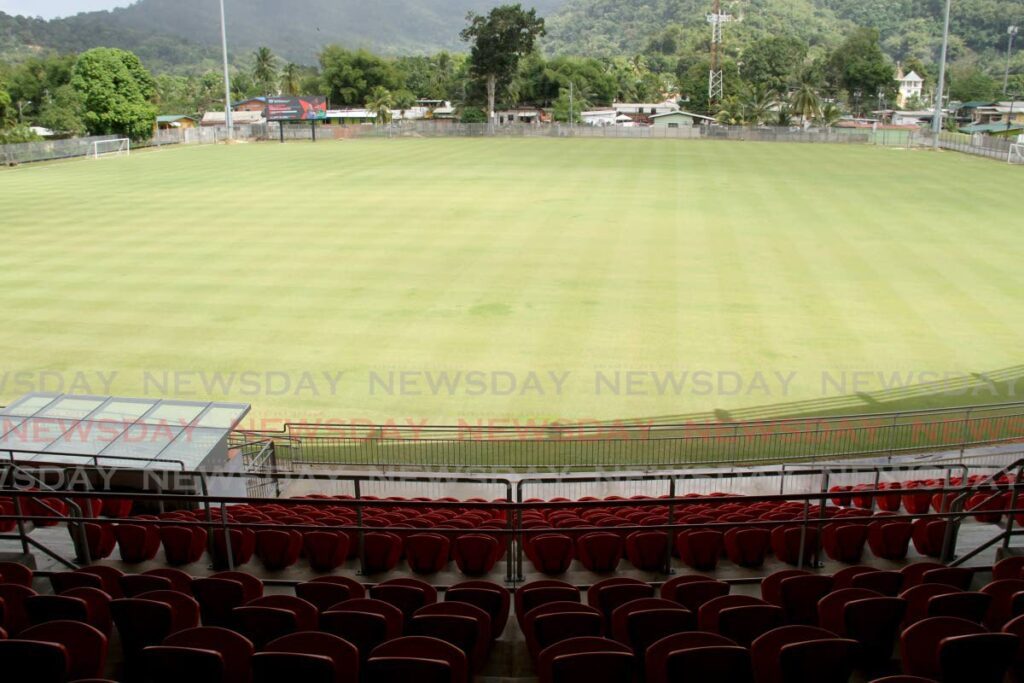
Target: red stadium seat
929, 536
461, 631
427, 553
608, 594
307, 617
490, 597
252, 587
700, 549
693, 594
30, 661
958, 577
355, 589
235, 649
800, 595
408, 595
979, 658
170, 664
537, 593
965, 605
885, 582
918, 598
1001, 609
326, 550
476, 554
554, 622
1009, 568
844, 542
747, 547
64, 581
15, 618
913, 573
99, 607
343, 655
551, 553
381, 552
43, 608
140, 623
84, 645
183, 545
278, 549
889, 540
133, 585
264, 624
786, 543
243, 546
647, 550
746, 623
364, 622
14, 572
640, 623
414, 650
771, 585
920, 643
586, 659
832, 607
136, 542
321, 594
802, 654
217, 599
660, 654
273, 667
600, 551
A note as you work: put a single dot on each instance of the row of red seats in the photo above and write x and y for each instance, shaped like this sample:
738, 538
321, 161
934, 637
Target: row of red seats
150, 608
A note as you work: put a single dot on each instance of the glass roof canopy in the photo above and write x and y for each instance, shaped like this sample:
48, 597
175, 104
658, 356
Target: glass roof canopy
55, 428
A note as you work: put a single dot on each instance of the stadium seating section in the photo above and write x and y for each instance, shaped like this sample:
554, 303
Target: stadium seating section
922, 622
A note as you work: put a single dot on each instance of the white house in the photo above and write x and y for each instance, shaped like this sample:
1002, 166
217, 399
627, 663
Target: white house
911, 86
599, 117
645, 108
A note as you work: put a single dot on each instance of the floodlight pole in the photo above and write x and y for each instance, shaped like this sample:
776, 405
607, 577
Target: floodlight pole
937, 120
1011, 33
227, 75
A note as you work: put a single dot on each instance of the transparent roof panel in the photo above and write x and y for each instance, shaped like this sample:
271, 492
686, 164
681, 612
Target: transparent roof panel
122, 410
221, 416
88, 437
193, 445
72, 407
34, 434
60, 427
143, 441
174, 413
30, 404
9, 422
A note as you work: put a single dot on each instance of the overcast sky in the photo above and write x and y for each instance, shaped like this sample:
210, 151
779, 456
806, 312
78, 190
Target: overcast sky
57, 8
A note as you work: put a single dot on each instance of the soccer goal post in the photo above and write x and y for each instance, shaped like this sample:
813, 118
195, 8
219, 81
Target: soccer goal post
111, 148
1016, 155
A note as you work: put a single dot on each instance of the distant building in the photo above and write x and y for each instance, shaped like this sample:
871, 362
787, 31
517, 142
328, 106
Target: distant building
909, 87
598, 117
175, 122
350, 116
42, 132
679, 119
641, 112
520, 115
238, 118
251, 104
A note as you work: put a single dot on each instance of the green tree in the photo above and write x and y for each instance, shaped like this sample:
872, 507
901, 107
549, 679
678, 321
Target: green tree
562, 105
264, 71
8, 112
971, 84
64, 112
472, 115
829, 114
772, 63
381, 102
500, 39
291, 79
861, 68
805, 101
116, 91
757, 106
349, 76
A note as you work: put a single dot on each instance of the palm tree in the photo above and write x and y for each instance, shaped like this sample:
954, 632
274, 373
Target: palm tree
381, 102
291, 79
829, 114
730, 112
264, 70
784, 116
805, 101
757, 106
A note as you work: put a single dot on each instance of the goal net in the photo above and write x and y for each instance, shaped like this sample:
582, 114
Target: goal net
1016, 155
111, 148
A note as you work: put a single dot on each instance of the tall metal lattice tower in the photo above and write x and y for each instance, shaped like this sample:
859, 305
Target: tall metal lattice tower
715, 84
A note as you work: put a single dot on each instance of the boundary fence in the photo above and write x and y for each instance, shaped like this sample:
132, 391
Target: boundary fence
643, 446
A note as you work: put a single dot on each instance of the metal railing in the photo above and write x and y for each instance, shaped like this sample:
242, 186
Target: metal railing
648, 446
955, 492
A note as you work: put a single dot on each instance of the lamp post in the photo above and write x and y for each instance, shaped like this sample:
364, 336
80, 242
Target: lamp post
937, 119
1009, 118
1011, 33
227, 75
21, 115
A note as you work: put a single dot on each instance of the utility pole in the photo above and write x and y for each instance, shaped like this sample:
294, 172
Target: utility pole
716, 88
937, 118
571, 93
228, 119
1011, 33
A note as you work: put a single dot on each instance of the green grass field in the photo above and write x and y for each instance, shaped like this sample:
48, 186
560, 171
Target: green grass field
591, 274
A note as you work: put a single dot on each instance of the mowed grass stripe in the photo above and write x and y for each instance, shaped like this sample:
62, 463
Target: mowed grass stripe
513, 255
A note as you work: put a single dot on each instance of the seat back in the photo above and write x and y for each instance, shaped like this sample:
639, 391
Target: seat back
85, 646
235, 649
169, 664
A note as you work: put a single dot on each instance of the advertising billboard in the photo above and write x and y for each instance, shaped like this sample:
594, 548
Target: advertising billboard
306, 108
